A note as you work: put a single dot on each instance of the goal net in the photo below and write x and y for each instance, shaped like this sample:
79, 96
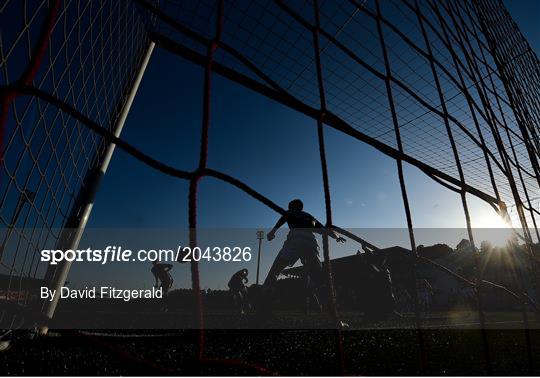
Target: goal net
449, 87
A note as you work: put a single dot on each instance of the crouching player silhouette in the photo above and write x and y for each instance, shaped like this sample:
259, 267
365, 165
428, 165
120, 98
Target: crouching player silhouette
237, 285
300, 245
162, 274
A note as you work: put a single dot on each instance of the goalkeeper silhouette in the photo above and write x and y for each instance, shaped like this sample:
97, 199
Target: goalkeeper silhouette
162, 274
300, 244
237, 285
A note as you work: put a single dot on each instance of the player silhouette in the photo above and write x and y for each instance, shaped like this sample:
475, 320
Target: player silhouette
161, 273
299, 245
237, 285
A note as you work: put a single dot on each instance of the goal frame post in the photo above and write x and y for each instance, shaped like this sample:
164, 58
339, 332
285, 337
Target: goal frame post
74, 227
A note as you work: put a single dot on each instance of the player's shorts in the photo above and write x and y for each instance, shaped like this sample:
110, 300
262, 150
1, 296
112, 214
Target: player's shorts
300, 245
167, 284
236, 286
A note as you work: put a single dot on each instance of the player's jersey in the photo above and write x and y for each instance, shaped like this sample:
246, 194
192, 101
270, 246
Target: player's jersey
301, 225
236, 281
300, 219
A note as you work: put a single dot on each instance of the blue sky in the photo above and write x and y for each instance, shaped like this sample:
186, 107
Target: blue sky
527, 15
271, 148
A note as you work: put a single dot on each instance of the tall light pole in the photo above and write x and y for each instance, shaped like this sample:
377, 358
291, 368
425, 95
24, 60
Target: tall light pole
260, 236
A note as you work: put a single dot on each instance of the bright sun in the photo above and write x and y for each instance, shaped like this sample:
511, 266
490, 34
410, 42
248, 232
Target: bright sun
489, 220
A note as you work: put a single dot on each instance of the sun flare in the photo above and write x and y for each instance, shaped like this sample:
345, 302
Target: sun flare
489, 220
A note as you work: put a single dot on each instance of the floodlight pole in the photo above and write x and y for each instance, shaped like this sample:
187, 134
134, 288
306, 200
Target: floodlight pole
73, 230
260, 236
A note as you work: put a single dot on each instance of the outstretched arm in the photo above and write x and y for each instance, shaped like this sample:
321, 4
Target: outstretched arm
321, 230
279, 223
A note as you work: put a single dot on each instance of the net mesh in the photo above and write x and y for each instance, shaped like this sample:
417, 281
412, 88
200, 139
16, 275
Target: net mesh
82, 53
450, 87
